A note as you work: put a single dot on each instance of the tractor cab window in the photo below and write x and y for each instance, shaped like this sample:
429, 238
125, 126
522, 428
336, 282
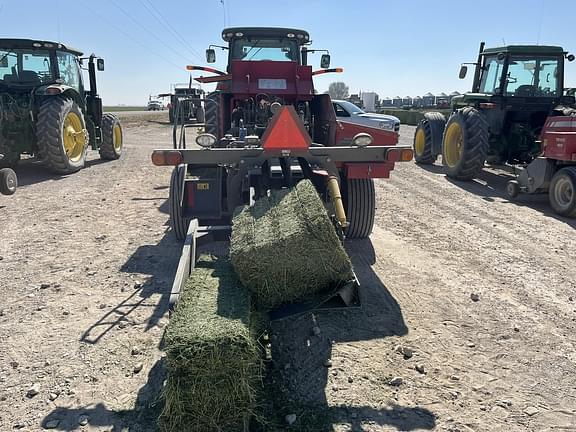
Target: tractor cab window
491, 74
69, 69
265, 49
21, 67
532, 77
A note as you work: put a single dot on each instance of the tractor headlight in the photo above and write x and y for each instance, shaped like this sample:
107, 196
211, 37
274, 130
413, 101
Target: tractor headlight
362, 139
386, 125
206, 140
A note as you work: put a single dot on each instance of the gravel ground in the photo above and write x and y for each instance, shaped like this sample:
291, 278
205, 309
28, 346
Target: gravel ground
467, 323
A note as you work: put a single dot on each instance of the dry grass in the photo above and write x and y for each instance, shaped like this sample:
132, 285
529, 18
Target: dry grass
212, 358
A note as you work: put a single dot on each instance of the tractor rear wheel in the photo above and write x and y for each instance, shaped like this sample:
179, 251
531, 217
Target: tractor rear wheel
465, 144
179, 223
428, 137
112, 139
562, 192
62, 135
360, 204
171, 115
211, 114
8, 181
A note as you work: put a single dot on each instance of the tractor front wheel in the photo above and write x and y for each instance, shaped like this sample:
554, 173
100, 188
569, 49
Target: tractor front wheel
178, 222
62, 135
8, 181
465, 144
428, 138
360, 204
562, 192
211, 114
512, 189
112, 139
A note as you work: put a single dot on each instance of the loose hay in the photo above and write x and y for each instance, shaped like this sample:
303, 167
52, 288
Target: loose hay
211, 356
285, 247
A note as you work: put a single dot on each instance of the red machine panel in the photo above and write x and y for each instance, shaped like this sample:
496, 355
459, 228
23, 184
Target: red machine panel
346, 131
368, 170
559, 138
271, 77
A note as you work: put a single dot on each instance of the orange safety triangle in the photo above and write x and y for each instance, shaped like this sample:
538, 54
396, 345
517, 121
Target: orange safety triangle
286, 132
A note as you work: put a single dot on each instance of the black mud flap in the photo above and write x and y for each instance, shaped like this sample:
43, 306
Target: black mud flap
344, 296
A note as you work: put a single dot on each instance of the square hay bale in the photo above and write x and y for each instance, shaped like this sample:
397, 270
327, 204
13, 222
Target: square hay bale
213, 362
285, 247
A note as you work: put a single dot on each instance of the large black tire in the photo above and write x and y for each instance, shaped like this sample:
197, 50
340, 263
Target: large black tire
465, 144
211, 114
8, 181
359, 198
179, 224
62, 135
562, 192
428, 137
112, 138
171, 115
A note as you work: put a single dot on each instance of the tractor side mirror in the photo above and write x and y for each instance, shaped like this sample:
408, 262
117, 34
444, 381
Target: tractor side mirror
100, 64
325, 61
463, 72
570, 57
210, 56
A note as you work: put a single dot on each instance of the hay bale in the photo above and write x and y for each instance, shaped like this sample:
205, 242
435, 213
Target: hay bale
211, 355
285, 247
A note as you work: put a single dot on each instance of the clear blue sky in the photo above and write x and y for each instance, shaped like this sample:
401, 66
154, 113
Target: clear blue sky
391, 47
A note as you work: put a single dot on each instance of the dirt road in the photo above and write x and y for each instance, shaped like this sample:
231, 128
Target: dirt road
87, 261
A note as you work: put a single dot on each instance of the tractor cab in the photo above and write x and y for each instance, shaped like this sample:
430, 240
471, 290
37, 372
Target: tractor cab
511, 74
27, 64
266, 44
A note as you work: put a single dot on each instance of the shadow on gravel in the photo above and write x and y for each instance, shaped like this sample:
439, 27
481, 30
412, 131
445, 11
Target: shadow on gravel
30, 172
141, 418
163, 123
435, 168
159, 261
96, 162
302, 360
495, 187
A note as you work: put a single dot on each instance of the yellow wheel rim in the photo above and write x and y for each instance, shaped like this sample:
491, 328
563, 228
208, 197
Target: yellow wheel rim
74, 137
420, 142
117, 137
453, 144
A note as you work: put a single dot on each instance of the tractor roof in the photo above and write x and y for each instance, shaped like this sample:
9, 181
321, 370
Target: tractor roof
275, 32
36, 44
526, 50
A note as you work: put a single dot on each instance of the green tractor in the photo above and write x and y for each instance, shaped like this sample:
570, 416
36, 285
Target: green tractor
515, 89
45, 110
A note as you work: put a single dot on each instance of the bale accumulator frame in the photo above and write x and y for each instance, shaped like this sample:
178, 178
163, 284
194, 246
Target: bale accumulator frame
265, 129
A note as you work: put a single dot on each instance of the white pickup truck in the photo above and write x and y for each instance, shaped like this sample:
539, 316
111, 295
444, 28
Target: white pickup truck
347, 111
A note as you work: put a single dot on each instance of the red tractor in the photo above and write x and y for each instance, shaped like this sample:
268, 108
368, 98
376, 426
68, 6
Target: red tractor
554, 171
266, 128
